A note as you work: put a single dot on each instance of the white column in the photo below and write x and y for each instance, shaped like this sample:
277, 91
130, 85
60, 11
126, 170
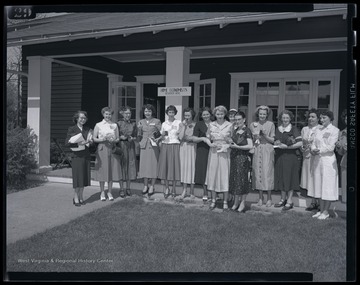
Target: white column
113, 94
39, 107
177, 75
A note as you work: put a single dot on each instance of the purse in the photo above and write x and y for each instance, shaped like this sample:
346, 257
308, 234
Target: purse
117, 150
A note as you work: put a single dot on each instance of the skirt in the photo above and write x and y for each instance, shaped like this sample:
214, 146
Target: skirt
169, 162
81, 173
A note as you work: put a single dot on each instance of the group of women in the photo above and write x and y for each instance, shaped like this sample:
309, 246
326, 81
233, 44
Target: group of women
222, 155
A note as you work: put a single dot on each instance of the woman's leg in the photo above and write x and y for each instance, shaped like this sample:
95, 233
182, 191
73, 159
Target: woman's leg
128, 191
204, 192
268, 202
81, 193
110, 183
192, 190
145, 186
242, 204
236, 202
102, 190
184, 192
76, 195
290, 195
261, 198
213, 200
173, 191
226, 197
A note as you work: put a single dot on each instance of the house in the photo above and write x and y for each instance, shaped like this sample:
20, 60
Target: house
86, 61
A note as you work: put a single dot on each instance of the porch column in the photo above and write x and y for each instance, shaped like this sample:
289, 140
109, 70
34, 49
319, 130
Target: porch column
177, 75
113, 94
39, 107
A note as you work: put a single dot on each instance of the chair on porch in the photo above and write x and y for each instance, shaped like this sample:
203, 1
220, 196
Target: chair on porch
66, 155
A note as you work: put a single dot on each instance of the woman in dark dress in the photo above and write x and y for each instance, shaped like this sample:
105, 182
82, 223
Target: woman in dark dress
202, 149
127, 137
80, 162
287, 143
239, 183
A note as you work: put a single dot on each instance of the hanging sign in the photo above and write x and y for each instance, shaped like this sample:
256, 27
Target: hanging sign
174, 91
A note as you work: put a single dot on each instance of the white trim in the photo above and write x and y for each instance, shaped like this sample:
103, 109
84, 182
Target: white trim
149, 79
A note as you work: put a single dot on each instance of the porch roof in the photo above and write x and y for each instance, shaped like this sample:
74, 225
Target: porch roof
96, 25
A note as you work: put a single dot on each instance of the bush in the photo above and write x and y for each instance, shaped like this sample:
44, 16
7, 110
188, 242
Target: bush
56, 156
20, 155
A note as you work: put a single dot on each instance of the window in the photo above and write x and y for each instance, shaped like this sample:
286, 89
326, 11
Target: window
297, 91
204, 95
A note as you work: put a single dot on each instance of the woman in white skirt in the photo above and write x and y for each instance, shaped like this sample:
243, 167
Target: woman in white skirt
218, 168
169, 159
187, 153
324, 168
308, 135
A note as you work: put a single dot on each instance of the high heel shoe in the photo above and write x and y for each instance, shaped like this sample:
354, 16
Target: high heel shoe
167, 193
122, 193
183, 195
76, 204
241, 208
212, 205
151, 191
234, 208
128, 192
145, 190
111, 198
82, 202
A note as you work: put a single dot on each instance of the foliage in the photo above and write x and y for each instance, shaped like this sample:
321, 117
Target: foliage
20, 155
56, 156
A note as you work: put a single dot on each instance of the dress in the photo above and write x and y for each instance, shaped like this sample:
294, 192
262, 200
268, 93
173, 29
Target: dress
107, 165
287, 164
239, 183
218, 168
307, 135
202, 153
324, 169
169, 159
149, 154
188, 156
128, 159
342, 150
263, 157
80, 160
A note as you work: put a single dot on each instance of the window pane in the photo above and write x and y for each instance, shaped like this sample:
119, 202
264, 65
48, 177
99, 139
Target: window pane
131, 102
131, 91
201, 90
243, 101
208, 89
324, 88
267, 93
207, 101
297, 93
243, 89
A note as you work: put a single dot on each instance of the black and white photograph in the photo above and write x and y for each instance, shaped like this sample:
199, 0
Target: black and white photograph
180, 142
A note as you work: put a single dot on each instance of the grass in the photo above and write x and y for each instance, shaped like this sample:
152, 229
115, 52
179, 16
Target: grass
25, 186
154, 237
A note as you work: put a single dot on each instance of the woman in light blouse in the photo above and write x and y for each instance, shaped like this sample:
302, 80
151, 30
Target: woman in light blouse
325, 171
307, 135
107, 165
149, 133
169, 159
218, 168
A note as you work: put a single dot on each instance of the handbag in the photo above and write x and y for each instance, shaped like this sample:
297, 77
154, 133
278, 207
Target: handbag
116, 150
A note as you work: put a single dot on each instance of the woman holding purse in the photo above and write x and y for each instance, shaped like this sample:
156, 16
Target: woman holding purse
80, 163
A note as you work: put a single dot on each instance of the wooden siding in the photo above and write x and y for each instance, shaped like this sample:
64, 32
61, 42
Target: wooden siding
66, 92
94, 96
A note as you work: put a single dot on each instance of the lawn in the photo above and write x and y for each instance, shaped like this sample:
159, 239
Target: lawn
155, 237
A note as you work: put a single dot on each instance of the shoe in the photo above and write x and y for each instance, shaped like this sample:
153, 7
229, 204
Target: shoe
268, 203
212, 205
225, 207
241, 208
323, 216
128, 192
317, 214
111, 198
82, 202
167, 193
102, 197
205, 198
259, 203
76, 204
173, 195
192, 197
121, 193
313, 206
145, 190
286, 207
151, 191
234, 208
183, 195
282, 203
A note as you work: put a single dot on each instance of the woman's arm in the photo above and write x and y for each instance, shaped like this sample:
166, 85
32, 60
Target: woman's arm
244, 147
95, 135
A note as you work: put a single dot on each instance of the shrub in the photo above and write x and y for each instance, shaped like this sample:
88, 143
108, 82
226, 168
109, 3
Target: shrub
20, 155
56, 156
